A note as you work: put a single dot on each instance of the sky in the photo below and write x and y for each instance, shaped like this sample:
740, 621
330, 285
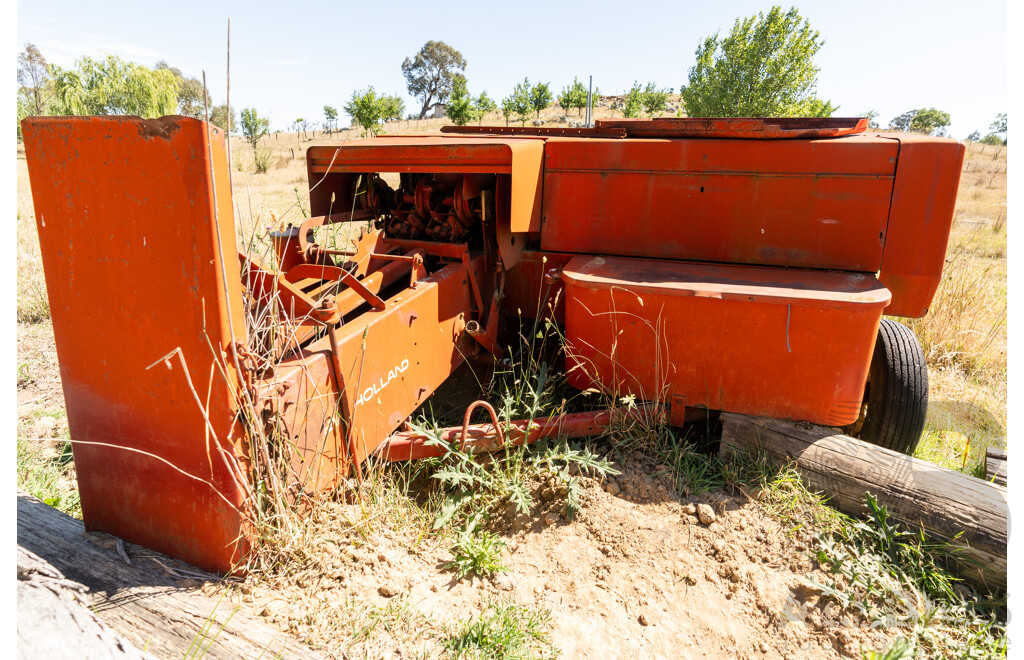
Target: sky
289, 60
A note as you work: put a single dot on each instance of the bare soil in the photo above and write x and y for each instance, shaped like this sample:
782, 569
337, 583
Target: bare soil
636, 574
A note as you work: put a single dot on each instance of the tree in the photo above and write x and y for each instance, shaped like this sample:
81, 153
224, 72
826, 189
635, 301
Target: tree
331, 115
992, 139
392, 107
367, 109
763, 68
34, 80
634, 102
902, 122
506, 109
460, 105
999, 126
541, 97
871, 116
219, 116
483, 105
974, 137
114, 87
254, 128
923, 120
573, 96
654, 100
931, 121
189, 94
520, 103
430, 75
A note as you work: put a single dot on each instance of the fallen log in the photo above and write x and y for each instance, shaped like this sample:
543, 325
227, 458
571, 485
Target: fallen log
142, 602
920, 494
995, 465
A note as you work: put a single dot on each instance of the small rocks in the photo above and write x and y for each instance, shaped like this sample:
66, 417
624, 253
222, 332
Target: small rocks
706, 514
273, 609
502, 582
388, 590
550, 518
538, 122
689, 509
644, 621
612, 488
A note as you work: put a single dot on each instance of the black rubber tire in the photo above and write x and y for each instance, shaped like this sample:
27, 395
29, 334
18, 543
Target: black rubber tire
897, 391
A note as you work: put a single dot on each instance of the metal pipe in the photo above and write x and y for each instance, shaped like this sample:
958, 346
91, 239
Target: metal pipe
409, 445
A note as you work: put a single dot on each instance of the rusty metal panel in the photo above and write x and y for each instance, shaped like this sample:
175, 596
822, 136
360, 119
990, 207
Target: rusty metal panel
782, 343
538, 131
799, 203
133, 263
923, 202
756, 128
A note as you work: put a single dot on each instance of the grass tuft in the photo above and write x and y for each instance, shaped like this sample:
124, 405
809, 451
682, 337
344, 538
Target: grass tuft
502, 631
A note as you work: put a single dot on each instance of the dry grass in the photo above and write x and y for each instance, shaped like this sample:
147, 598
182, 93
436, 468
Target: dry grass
964, 334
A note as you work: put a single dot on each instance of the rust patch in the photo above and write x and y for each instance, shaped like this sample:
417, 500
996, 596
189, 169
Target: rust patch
164, 127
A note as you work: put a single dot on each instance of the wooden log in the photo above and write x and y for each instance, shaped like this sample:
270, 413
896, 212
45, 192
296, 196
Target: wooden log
142, 602
995, 465
54, 617
918, 493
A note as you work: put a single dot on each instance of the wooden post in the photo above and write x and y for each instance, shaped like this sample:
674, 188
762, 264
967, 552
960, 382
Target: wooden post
918, 493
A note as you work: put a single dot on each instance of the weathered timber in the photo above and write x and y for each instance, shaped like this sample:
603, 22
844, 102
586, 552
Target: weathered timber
153, 608
54, 619
918, 493
995, 465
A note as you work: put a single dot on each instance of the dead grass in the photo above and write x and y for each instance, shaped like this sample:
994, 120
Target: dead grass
964, 334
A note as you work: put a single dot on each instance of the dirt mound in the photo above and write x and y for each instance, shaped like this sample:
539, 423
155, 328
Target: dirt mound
635, 574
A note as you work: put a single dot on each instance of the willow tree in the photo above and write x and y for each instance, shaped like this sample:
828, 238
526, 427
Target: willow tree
113, 87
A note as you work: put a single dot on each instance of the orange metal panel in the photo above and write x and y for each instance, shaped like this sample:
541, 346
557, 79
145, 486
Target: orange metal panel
799, 203
783, 343
520, 157
923, 202
135, 269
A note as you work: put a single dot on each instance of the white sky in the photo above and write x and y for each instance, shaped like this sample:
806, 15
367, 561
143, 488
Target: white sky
291, 59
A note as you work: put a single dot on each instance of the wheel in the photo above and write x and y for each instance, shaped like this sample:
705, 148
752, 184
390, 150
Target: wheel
897, 390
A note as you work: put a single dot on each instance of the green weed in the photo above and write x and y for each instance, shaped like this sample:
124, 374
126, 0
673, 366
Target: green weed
476, 551
48, 478
502, 631
894, 578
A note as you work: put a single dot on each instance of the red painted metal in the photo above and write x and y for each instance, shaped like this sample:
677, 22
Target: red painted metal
789, 344
410, 444
136, 262
794, 203
920, 215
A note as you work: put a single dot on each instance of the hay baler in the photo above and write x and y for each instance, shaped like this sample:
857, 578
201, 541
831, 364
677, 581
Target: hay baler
699, 265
